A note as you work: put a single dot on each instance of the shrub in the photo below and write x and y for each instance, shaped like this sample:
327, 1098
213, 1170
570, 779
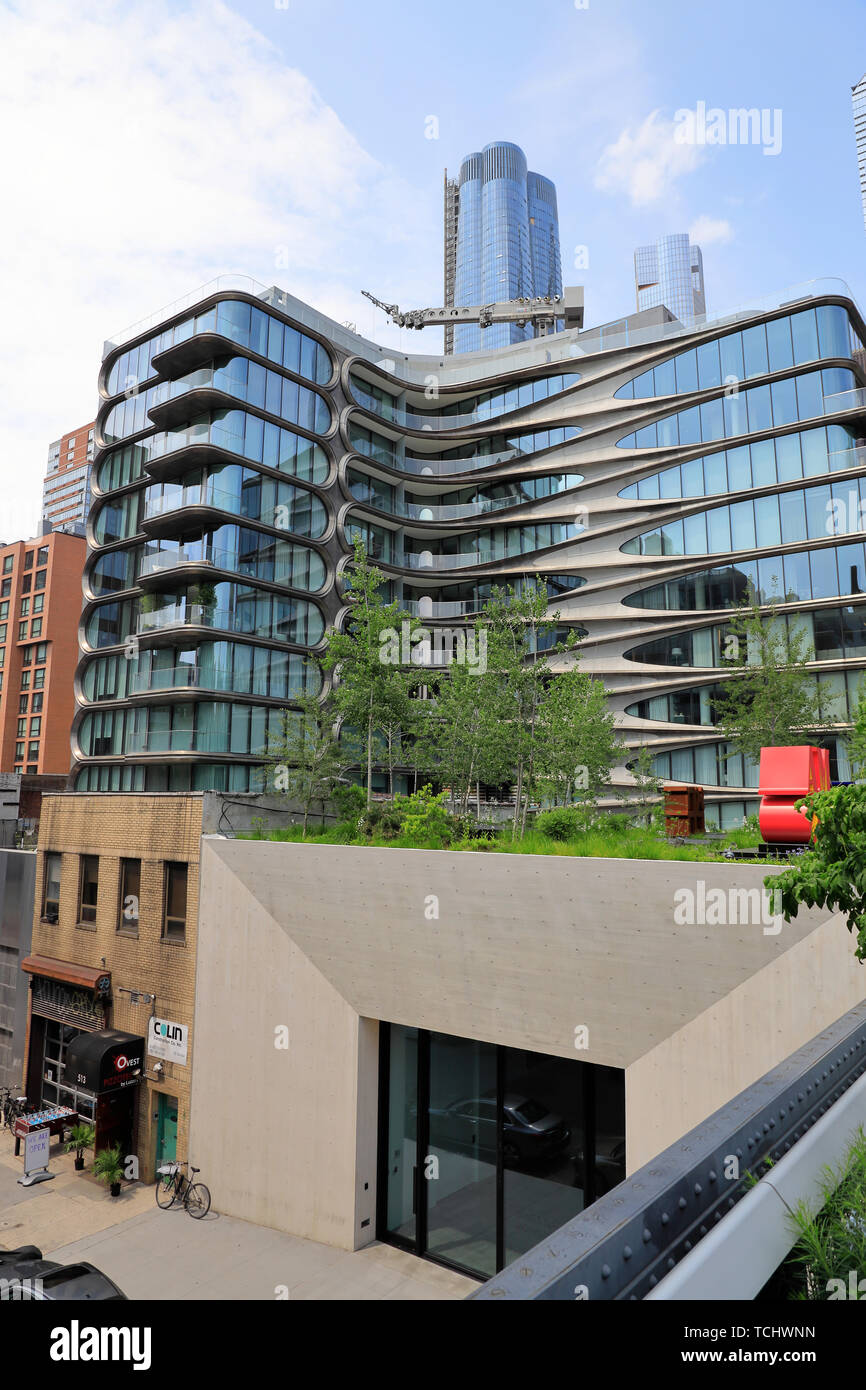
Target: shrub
424, 816
562, 823
350, 801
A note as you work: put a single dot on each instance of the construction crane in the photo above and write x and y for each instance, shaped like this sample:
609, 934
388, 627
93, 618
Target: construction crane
542, 313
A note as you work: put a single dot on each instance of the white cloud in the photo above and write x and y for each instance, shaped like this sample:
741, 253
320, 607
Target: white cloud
647, 162
150, 146
705, 230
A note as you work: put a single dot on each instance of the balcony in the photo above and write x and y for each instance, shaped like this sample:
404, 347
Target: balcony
441, 608
842, 402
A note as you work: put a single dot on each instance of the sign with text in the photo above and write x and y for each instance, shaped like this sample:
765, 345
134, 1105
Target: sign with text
167, 1040
36, 1150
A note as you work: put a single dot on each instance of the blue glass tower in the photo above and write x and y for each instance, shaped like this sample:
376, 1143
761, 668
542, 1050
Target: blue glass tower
507, 241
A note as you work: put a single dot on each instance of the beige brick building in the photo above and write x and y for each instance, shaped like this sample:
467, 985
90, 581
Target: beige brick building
115, 921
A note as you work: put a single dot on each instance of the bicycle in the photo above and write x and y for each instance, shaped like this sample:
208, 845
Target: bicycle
12, 1107
172, 1186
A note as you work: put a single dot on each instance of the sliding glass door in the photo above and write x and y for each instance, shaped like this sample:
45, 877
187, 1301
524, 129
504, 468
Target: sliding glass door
486, 1150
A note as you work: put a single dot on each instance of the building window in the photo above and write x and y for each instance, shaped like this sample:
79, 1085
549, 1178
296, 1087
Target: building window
8, 562
25, 608
35, 727
42, 555
51, 888
33, 750
25, 680
22, 728
36, 627
38, 603
28, 560
4, 609
22, 631
130, 892
26, 656
26, 583
6, 588
32, 767
19, 751
41, 652
22, 704
174, 903
38, 680
88, 886
2, 632
36, 703
40, 579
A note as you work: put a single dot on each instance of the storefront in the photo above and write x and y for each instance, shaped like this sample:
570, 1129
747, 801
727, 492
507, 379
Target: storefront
485, 1150
73, 1058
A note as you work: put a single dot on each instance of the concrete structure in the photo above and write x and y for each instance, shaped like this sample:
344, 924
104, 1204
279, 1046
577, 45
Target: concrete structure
17, 889
858, 99
40, 606
650, 475
66, 489
501, 241
311, 950
671, 272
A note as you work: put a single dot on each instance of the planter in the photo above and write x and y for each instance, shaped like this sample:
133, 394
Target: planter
114, 1189
79, 1164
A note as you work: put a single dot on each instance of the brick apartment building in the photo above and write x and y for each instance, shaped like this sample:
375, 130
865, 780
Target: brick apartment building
113, 955
66, 489
40, 608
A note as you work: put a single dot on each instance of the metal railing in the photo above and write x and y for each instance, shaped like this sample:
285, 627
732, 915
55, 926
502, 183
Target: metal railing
622, 1246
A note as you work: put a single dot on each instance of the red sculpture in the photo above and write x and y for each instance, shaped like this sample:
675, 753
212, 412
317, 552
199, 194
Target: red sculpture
786, 775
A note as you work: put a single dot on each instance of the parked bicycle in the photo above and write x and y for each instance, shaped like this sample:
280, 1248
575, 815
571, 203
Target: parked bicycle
173, 1185
12, 1107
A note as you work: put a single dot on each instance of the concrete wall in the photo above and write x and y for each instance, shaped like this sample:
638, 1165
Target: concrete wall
285, 1136
17, 887
516, 950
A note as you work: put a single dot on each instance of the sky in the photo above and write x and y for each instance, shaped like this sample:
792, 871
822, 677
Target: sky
151, 145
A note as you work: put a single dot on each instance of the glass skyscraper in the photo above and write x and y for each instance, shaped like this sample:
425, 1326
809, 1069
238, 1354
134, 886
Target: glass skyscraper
858, 97
503, 220
671, 272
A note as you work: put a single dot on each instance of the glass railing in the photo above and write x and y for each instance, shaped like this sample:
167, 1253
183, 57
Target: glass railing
845, 400
441, 608
187, 615
194, 678
425, 560
438, 468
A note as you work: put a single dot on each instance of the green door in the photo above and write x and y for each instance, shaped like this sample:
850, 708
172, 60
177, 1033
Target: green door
166, 1132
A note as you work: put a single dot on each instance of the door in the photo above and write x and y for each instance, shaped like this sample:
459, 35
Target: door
166, 1130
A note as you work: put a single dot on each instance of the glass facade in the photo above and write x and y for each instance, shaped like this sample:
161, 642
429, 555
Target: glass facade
220, 522
485, 1150
507, 241
671, 272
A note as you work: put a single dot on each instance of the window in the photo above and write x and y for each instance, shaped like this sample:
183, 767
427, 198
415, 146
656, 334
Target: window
51, 888
174, 903
41, 652
6, 588
33, 750
36, 627
130, 893
28, 560
40, 579
22, 728
88, 887
26, 583
42, 555
22, 631
22, 704
25, 608
35, 727
19, 751
7, 564
36, 705
38, 603
38, 679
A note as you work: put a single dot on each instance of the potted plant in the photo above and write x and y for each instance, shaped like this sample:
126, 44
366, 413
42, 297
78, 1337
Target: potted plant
107, 1166
81, 1137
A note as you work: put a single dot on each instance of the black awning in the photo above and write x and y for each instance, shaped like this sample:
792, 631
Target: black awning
105, 1061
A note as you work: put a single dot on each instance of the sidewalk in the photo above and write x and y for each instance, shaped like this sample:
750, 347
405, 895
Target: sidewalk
166, 1255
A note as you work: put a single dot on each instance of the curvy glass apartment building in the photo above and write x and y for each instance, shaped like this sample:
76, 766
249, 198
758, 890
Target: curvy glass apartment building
652, 474
501, 241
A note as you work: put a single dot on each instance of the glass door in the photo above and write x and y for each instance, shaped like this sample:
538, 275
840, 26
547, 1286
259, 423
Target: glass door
460, 1163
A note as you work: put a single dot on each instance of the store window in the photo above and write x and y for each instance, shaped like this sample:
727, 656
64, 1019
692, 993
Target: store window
88, 887
130, 893
519, 1143
51, 888
174, 902
58, 1036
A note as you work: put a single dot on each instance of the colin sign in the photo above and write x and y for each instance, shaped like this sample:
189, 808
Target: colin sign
167, 1040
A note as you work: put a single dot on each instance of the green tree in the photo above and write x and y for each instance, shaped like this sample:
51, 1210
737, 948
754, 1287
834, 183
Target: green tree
305, 760
579, 744
773, 701
647, 799
857, 737
832, 872
371, 682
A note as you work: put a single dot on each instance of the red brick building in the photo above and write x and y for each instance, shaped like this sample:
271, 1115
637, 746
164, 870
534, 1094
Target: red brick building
40, 606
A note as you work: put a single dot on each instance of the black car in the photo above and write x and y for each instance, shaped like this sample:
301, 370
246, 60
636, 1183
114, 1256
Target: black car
26, 1278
